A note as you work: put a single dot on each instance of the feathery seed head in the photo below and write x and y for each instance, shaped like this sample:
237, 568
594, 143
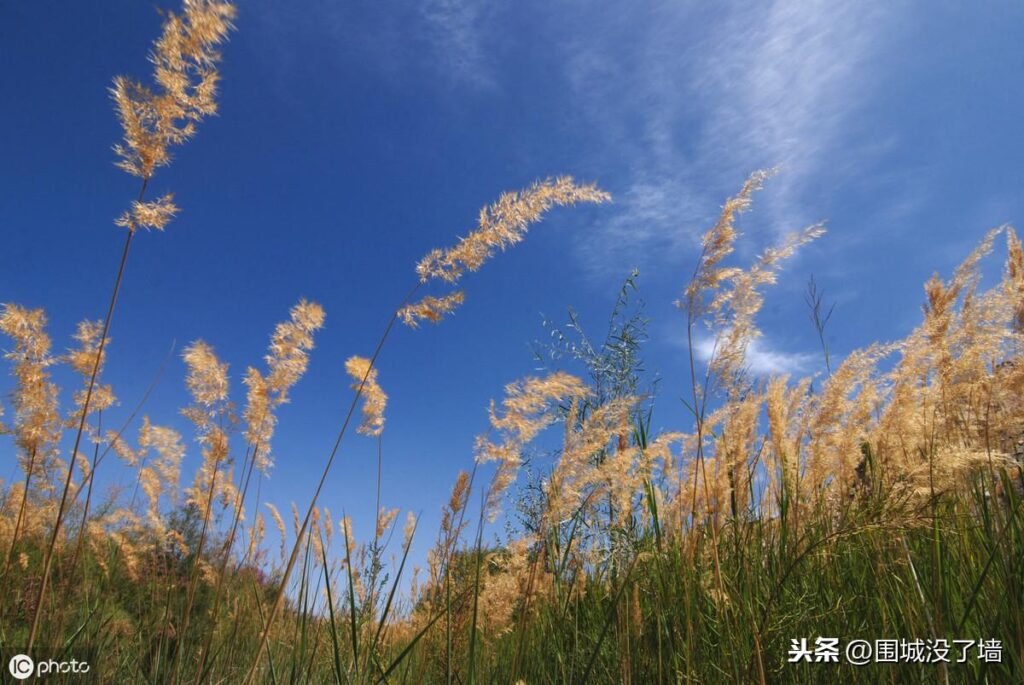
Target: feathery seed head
374, 399
207, 378
184, 58
504, 224
37, 422
279, 524
430, 308
410, 528
82, 358
526, 410
154, 215
385, 517
718, 242
287, 360
1015, 277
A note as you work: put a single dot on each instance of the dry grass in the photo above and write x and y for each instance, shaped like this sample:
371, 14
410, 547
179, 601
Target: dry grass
884, 502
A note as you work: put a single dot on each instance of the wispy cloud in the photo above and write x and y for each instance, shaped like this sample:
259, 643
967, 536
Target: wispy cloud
456, 31
649, 217
440, 40
762, 359
679, 101
697, 101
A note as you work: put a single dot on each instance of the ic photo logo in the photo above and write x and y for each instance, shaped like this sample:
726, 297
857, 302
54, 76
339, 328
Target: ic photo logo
22, 667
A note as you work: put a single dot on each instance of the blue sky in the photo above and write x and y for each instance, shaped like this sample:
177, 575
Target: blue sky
354, 136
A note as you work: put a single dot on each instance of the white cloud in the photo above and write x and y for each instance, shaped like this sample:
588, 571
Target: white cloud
697, 101
650, 216
762, 359
680, 100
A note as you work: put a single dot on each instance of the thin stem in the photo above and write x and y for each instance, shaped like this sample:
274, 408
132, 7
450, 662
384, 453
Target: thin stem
131, 418
227, 552
48, 559
815, 299
88, 499
279, 598
194, 576
21, 511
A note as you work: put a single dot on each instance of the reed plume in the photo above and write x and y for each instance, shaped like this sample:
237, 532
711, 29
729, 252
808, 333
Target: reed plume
500, 226
374, 398
526, 410
625, 546
287, 361
37, 423
504, 224
185, 79
185, 74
